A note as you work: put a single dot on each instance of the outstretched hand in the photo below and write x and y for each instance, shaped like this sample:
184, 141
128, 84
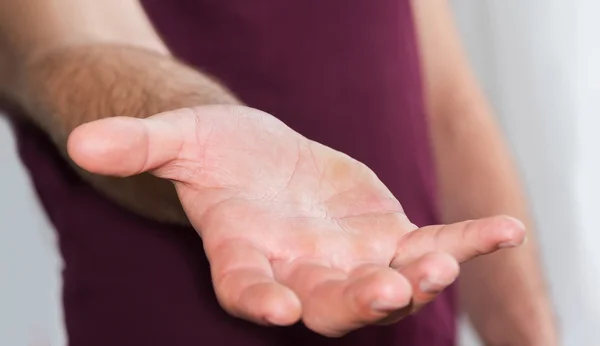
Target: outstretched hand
293, 230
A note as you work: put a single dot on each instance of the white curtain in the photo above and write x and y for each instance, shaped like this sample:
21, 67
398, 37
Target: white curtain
539, 63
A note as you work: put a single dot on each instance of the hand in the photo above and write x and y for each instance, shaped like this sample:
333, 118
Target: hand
292, 229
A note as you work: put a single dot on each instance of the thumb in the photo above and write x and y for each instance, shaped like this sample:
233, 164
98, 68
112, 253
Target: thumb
125, 146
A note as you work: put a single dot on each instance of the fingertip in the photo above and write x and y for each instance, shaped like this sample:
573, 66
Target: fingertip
267, 302
512, 231
283, 309
387, 291
518, 223
109, 146
398, 290
76, 145
440, 270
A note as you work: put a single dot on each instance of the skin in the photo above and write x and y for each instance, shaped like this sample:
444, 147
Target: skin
292, 229
316, 236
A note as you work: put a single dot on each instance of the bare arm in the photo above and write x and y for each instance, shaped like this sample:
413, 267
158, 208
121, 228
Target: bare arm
503, 293
69, 62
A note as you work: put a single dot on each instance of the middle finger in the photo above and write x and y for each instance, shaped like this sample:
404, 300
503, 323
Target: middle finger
334, 302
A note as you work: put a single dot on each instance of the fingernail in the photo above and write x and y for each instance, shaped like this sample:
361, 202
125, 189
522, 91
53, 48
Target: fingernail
511, 244
508, 245
384, 306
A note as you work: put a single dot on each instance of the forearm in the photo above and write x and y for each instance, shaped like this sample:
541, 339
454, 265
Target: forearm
71, 86
504, 293
68, 62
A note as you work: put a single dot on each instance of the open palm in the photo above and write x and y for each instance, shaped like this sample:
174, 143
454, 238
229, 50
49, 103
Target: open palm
292, 229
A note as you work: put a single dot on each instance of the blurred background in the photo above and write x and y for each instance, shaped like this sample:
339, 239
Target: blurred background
539, 64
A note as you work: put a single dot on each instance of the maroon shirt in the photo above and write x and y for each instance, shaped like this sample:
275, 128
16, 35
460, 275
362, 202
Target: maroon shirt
341, 72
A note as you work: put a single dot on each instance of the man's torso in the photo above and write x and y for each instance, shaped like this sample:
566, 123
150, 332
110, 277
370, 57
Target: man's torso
343, 73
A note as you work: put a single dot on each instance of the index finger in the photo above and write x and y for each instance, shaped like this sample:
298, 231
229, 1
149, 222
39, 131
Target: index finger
463, 240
